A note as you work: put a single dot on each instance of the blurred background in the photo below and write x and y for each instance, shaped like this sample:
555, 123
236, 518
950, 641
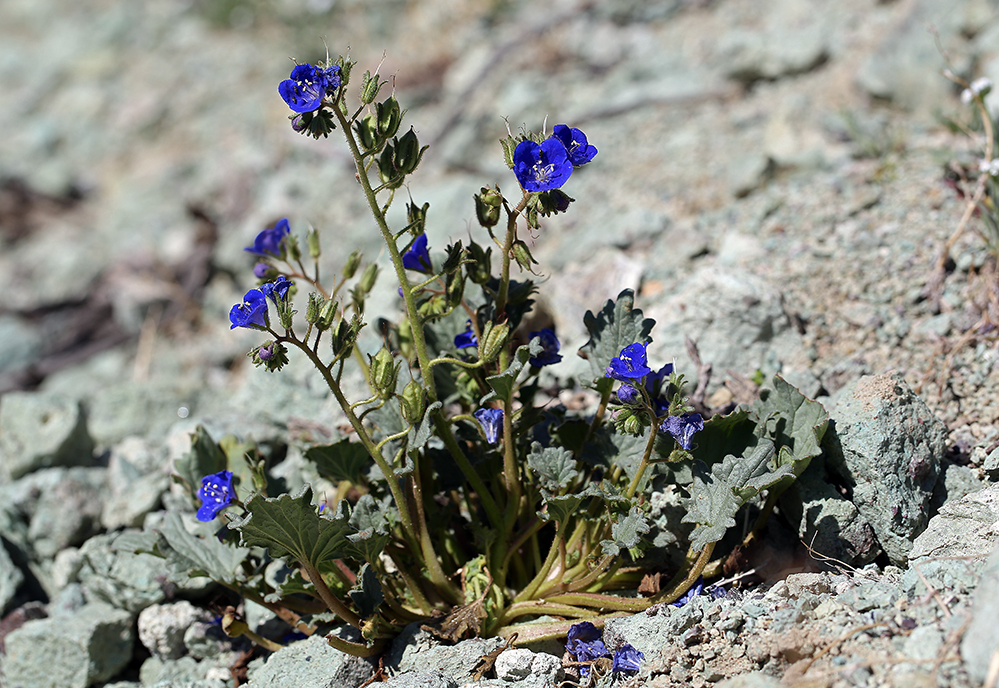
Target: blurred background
144, 145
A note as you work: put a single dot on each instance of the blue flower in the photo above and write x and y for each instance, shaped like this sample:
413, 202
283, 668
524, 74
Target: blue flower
541, 167
418, 257
694, 591
627, 394
466, 338
627, 659
216, 493
491, 420
682, 428
583, 642
549, 348
260, 270
580, 152
276, 290
268, 242
630, 365
305, 90
252, 313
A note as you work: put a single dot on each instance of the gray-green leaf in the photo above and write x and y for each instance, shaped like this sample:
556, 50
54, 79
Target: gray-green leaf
554, 466
343, 460
627, 532
617, 325
503, 383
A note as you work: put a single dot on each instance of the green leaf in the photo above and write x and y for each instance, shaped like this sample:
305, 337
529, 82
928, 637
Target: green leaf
722, 435
343, 460
617, 325
627, 532
367, 594
292, 527
716, 495
373, 519
192, 556
204, 459
554, 466
419, 436
560, 507
794, 422
504, 383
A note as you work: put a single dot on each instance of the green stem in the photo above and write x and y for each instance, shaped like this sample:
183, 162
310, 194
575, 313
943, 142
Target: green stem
356, 649
511, 236
529, 633
676, 587
335, 605
468, 470
597, 601
633, 487
540, 608
531, 588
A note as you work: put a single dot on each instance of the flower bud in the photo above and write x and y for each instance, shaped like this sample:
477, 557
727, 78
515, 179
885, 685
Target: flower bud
417, 216
414, 402
495, 339
455, 289
523, 256
633, 425
350, 267
480, 267
369, 88
391, 176
408, 153
367, 132
367, 280
389, 117
316, 303
382, 373
554, 201
271, 355
294, 252
327, 314
487, 207
312, 239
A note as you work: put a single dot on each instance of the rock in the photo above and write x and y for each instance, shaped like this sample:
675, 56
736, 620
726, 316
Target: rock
458, 662
949, 554
71, 651
162, 627
756, 679
897, 70
978, 646
827, 521
738, 322
40, 430
68, 513
311, 663
186, 672
887, 445
517, 664
954, 483
134, 487
126, 580
420, 679
10, 579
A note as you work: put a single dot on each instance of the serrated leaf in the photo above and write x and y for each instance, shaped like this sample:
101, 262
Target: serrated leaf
617, 325
554, 466
367, 594
717, 494
373, 520
343, 460
292, 527
627, 532
794, 422
191, 556
503, 383
419, 436
560, 507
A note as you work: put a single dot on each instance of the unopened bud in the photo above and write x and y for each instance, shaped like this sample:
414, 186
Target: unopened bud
414, 402
312, 239
487, 207
408, 153
367, 133
389, 117
316, 303
382, 373
523, 256
367, 280
350, 267
495, 339
369, 88
417, 216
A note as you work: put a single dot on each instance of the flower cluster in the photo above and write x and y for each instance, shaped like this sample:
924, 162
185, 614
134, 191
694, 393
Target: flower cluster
584, 644
547, 165
641, 386
252, 312
308, 85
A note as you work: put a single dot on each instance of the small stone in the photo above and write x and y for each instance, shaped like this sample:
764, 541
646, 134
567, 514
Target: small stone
514, 664
41, 430
311, 663
162, 627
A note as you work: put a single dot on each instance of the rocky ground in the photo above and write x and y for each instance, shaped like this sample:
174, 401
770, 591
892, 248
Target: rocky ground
777, 180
